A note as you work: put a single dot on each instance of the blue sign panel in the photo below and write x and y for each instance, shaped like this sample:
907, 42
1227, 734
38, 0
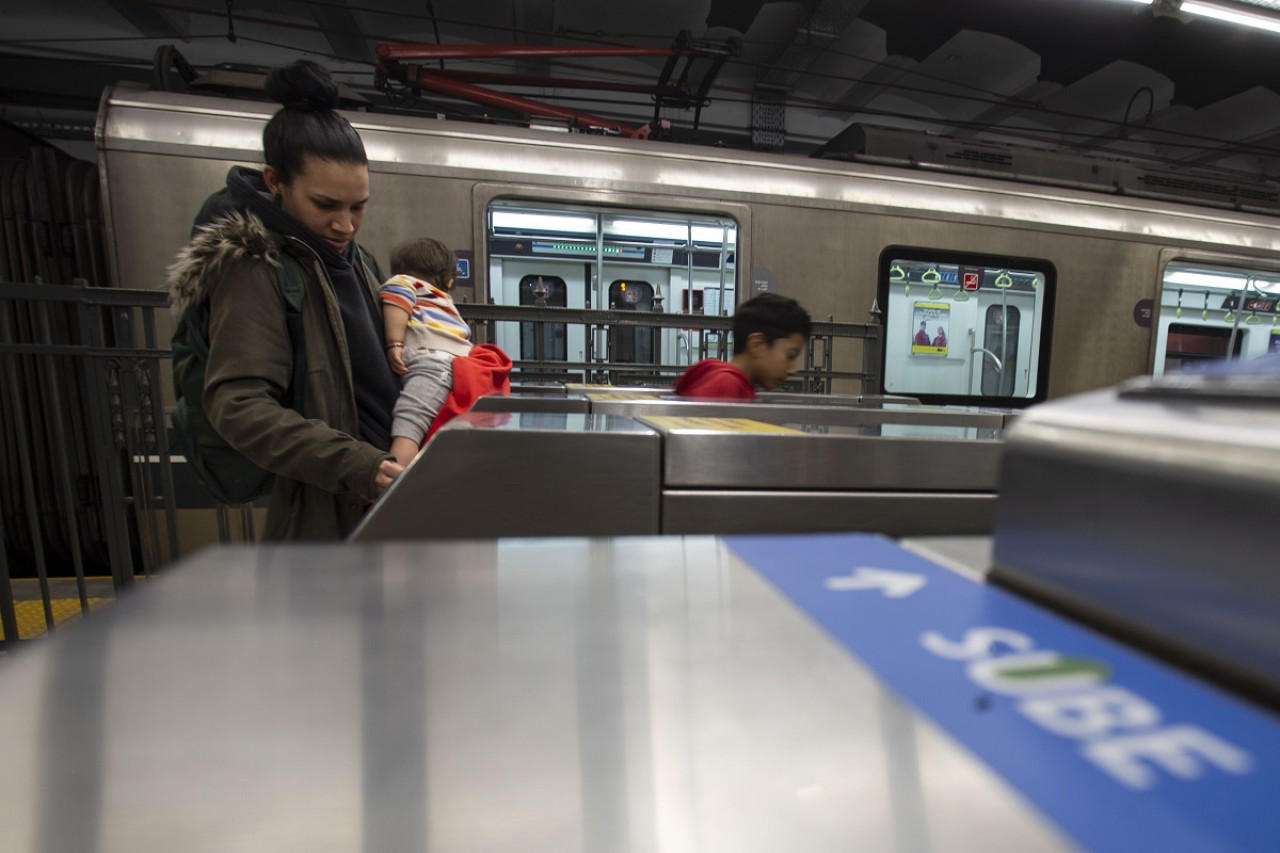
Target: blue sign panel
1122, 751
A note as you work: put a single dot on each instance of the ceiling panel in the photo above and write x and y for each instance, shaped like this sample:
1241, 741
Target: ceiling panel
1104, 78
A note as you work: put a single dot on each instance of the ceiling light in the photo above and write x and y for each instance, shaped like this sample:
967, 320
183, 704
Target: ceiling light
1216, 281
649, 230
715, 236
1232, 14
519, 222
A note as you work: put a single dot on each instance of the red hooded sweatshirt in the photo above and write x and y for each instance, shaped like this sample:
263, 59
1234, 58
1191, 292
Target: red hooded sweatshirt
713, 378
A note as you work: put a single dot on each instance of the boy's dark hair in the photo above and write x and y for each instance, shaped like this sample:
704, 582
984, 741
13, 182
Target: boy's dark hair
307, 125
425, 258
771, 315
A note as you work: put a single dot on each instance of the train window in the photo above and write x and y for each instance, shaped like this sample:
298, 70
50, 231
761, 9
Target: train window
670, 261
1210, 312
965, 328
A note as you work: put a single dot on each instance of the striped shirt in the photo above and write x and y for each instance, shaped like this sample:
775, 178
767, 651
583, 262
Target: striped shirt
434, 322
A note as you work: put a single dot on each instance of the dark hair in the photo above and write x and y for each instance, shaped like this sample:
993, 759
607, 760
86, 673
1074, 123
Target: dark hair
771, 315
427, 259
307, 126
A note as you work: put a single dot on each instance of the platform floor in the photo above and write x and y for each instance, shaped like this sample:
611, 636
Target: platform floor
64, 602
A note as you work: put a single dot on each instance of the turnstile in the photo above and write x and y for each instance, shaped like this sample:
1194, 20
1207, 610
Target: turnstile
1150, 509
761, 693
541, 473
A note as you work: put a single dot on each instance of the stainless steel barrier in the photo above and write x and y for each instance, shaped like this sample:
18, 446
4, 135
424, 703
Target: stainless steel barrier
1148, 510
708, 468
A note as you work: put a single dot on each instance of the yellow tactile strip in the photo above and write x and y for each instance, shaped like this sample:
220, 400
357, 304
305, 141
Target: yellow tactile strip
30, 614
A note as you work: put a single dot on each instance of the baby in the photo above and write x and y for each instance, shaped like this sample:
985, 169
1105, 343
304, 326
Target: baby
423, 332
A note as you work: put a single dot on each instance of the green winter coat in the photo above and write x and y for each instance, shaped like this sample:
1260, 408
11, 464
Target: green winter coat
324, 474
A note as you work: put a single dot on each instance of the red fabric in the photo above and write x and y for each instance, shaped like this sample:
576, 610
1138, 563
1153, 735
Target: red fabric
713, 378
485, 370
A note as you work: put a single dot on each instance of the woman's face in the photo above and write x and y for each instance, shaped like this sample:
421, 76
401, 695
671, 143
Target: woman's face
328, 198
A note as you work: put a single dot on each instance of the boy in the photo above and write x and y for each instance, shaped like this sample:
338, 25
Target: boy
424, 332
769, 333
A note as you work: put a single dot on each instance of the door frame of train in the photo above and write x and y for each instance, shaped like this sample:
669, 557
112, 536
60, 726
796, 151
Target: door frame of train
482, 194
934, 254
1168, 255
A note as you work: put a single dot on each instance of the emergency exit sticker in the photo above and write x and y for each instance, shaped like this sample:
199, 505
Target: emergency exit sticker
1123, 752
715, 424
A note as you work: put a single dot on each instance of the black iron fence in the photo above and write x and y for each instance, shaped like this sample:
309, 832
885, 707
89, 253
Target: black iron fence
92, 494
82, 412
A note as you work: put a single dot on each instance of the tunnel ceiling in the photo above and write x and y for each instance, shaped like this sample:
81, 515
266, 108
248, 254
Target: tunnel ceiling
1106, 79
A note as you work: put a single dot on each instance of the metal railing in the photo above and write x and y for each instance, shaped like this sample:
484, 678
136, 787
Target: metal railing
602, 330
91, 491
81, 407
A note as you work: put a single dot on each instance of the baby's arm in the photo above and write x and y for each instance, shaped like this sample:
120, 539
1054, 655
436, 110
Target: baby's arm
394, 322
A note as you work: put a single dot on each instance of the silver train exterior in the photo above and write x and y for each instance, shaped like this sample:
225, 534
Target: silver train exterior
818, 226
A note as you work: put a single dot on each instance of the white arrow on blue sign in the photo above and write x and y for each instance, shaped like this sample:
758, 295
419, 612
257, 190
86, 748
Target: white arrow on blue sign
892, 584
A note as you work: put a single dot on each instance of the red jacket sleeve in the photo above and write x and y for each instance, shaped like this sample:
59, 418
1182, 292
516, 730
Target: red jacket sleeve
485, 370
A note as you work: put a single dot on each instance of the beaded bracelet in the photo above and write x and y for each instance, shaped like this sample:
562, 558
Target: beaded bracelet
392, 346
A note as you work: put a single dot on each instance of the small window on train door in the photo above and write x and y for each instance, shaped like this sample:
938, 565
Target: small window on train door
631, 344
545, 343
962, 328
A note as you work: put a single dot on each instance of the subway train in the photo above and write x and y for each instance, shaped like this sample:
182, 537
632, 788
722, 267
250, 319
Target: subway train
1071, 289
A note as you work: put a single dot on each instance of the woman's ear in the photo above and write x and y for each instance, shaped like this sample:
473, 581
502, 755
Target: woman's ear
272, 180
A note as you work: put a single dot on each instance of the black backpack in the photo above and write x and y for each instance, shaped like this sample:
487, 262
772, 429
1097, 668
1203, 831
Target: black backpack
226, 474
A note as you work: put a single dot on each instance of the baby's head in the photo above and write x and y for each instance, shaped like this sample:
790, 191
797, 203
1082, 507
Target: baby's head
425, 258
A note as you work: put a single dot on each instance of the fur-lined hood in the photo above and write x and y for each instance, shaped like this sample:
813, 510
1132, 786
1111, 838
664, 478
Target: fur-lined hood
233, 237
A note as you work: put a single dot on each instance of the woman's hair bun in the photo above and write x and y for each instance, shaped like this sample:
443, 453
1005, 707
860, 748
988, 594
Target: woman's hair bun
302, 85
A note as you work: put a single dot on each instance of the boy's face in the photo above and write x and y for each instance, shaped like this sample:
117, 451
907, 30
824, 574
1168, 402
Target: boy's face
774, 363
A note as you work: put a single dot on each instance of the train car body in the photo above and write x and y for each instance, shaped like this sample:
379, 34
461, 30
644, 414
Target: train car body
819, 230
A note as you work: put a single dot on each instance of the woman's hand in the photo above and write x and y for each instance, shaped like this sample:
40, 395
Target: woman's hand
388, 470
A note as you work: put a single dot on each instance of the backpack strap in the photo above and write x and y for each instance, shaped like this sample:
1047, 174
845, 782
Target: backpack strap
289, 281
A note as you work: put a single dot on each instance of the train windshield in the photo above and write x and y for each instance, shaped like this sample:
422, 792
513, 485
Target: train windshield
1210, 312
963, 328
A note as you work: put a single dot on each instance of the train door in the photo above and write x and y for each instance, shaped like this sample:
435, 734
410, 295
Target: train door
579, 257
704, 283
1002, 346
965, 328
1210, 312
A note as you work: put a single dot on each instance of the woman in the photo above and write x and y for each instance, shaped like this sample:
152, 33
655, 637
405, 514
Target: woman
331, 460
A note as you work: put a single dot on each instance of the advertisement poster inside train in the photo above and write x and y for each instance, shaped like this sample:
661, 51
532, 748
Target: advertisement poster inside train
930, 322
